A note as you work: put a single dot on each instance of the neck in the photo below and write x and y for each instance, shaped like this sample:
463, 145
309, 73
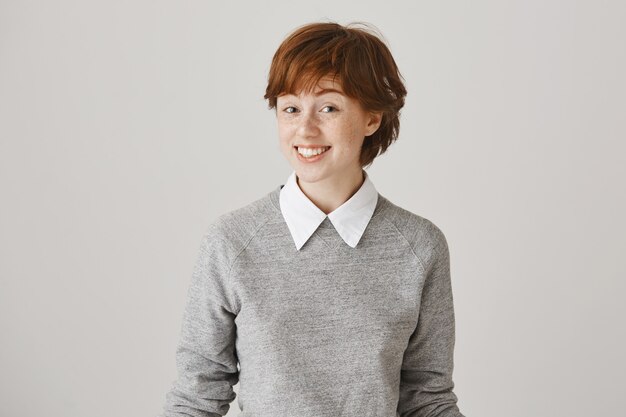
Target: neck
329, 194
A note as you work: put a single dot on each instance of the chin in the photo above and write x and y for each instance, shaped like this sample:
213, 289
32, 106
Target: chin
310, 176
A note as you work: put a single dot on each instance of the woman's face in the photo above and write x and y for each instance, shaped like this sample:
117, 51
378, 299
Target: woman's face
326, 119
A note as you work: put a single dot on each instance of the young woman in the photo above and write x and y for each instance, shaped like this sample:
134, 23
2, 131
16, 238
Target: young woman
322, 298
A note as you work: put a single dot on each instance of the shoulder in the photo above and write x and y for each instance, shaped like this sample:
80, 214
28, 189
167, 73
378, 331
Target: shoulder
231, 231
426, 238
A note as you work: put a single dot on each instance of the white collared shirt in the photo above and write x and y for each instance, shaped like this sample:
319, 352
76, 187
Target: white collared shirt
350, 219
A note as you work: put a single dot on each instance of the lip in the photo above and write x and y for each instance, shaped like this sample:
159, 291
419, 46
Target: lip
311, 146
313, 158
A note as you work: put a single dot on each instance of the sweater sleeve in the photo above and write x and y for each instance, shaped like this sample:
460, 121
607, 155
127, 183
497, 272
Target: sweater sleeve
206, 358
426, 386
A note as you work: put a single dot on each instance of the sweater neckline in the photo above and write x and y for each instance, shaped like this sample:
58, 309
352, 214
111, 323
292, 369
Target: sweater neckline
274, 198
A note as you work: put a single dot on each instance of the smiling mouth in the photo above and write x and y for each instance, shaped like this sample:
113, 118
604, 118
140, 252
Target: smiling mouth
311, 151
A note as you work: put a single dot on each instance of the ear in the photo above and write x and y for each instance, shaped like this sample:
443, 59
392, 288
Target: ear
373, 122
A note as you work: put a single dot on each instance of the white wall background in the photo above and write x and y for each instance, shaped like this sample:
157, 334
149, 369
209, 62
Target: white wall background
127, 126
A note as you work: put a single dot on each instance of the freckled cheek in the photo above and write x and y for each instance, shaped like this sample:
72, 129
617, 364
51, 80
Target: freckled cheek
351, 135
351, 130
286, 136
285, 131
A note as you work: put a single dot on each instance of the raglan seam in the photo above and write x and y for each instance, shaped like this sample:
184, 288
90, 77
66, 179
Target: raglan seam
228, 274
419, 260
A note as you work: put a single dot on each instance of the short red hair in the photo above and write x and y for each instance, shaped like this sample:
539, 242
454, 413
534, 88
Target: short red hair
358, 59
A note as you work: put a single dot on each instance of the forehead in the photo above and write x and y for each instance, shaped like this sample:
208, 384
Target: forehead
326, 84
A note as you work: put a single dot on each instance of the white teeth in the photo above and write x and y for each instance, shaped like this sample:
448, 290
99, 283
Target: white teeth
307, 152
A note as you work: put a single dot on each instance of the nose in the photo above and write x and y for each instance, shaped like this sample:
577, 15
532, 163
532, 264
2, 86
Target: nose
309, 124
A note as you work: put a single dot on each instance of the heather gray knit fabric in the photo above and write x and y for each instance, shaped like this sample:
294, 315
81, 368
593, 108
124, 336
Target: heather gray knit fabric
326, 331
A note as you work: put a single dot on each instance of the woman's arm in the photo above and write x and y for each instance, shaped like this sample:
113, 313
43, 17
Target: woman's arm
205, 357
426, 386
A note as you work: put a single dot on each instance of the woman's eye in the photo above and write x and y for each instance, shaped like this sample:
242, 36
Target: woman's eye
288, 109
328, 107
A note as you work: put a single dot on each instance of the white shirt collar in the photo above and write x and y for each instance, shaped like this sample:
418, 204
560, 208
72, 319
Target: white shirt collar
350, 219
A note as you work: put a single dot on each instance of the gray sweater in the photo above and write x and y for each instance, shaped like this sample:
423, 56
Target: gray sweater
326, 331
